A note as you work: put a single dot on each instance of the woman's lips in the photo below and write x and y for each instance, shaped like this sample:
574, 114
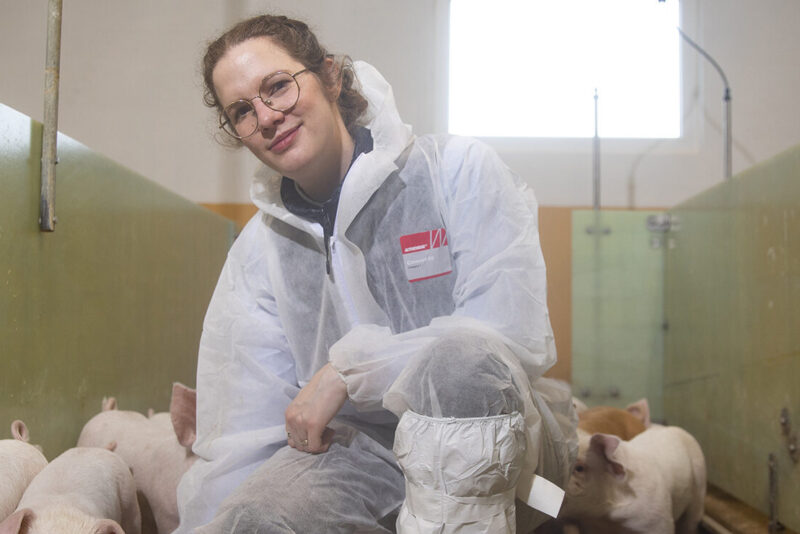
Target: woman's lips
284, 141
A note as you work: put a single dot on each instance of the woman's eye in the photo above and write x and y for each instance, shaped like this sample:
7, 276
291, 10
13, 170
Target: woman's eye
239, 113
278, 87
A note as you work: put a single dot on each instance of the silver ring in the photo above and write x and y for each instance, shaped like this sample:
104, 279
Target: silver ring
304, 443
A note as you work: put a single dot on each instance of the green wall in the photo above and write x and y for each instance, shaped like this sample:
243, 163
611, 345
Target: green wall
732, 350
617, 309
111, 303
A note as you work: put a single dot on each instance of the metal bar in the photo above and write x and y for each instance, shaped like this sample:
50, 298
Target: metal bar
597, 227
596, 159
47, 218
727, 128
712, 525
726, 100
774, 525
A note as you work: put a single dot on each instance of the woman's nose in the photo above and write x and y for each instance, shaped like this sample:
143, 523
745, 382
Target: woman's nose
267, 117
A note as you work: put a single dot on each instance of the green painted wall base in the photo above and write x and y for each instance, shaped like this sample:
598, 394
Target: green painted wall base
732, 350
111, 303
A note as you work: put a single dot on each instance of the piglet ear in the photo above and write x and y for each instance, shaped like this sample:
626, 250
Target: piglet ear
18, 522
606, 446
579, 405
183, 412
107, 526
20, 431
109, 403
641, 410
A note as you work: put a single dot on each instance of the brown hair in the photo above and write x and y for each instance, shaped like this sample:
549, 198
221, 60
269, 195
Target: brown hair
299, 41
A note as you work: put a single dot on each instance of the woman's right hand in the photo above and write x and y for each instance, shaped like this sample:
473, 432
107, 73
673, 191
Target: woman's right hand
308, 415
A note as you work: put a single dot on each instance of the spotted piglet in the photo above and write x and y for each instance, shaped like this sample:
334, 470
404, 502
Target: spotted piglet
83, 491
19, 463
655, 483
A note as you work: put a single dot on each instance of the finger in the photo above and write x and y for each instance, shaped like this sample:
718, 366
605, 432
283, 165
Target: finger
299, 444
327, 438
314, 440
324, 443
294, 440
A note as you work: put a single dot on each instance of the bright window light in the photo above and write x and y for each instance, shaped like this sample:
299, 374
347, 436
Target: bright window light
529, 68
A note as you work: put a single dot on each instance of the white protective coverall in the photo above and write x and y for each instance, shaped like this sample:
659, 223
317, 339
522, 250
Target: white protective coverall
434, 238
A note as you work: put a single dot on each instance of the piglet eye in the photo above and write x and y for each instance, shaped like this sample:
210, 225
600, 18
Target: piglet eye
579, 468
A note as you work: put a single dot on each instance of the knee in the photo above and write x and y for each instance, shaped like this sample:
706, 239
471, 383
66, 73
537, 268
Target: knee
241, 519
461, 375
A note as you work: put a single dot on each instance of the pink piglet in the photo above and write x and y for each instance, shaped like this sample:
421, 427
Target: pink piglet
84, 490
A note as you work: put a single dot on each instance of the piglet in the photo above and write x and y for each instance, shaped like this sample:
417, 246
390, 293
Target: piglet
157, 448
83, 491
655, 483
19, 463
625, 424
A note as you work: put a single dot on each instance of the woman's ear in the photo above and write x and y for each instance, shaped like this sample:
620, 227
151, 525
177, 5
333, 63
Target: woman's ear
333, 78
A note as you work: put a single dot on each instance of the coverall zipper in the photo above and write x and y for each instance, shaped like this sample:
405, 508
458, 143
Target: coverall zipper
327, 238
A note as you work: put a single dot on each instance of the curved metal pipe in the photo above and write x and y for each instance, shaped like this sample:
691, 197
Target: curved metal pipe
726, 99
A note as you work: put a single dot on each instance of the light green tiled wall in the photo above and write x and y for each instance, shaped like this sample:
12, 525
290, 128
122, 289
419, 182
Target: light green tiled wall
732, 351
111, 303
617, 309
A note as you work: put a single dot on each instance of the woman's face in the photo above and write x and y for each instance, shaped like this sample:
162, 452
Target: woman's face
309, 142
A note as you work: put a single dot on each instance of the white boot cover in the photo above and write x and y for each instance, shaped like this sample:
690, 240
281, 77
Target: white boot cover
461, 474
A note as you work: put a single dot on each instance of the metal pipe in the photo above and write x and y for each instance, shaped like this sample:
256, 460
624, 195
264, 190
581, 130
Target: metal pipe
772, 463
47, 218
597, 227
596, 159
728, 137
726, 102
712, 525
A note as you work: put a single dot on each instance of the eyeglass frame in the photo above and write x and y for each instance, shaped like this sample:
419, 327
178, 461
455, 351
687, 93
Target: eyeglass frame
223, 118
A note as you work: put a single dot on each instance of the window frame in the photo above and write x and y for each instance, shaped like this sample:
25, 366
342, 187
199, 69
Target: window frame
691, 102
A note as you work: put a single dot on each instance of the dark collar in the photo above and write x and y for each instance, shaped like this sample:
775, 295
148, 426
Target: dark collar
323, 213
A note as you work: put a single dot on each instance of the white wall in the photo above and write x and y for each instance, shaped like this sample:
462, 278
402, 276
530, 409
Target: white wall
131, 89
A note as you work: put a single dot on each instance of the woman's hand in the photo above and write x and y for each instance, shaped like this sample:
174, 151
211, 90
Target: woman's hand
310, 412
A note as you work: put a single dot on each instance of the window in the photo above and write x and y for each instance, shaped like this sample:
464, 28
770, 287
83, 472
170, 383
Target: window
529, 68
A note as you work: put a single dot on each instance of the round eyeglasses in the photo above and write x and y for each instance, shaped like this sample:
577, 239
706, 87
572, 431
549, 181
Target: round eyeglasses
279, 91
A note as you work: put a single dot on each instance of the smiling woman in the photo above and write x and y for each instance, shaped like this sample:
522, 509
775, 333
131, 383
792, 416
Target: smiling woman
386, 303
307, 139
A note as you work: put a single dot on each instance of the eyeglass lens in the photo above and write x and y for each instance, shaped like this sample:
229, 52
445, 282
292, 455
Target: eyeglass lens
278, 91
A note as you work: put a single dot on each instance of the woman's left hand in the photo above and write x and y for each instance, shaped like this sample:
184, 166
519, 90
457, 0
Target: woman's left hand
308, 415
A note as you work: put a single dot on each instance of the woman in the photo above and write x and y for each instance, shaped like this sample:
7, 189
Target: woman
384, 276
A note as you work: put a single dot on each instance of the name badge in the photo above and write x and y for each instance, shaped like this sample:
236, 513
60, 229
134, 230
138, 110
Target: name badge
425, 255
